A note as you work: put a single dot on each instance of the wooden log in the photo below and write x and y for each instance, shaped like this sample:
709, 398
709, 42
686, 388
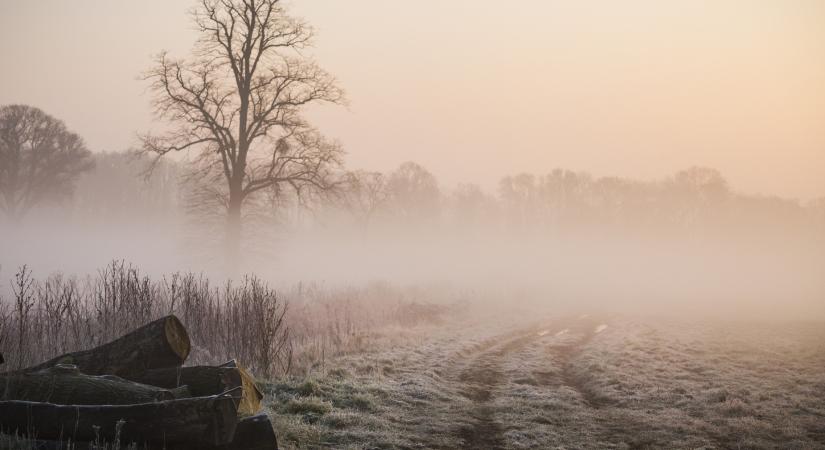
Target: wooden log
209, 380
65, 385
27, 443
200, 422
158, 344
253, 433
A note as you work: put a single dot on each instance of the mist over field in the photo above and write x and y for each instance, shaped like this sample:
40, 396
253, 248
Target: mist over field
676, 246
263, 224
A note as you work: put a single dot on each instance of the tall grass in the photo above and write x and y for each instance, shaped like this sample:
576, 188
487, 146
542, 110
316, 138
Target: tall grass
272, 334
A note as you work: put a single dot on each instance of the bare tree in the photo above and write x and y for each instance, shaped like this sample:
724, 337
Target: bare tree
471, 206
39, 159
414, 192
519, 197
366, 194
237, 104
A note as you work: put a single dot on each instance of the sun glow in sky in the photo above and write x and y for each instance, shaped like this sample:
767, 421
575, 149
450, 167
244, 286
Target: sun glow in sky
477, 89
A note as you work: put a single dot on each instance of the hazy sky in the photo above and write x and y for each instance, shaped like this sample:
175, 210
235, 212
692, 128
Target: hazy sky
474, 89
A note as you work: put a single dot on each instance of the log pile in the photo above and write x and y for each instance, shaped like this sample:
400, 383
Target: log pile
136, 390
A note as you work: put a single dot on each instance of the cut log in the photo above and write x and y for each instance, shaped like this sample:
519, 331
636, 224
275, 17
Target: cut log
193, 422
65, 385
159, 344
207, 380
253, 433
39, 444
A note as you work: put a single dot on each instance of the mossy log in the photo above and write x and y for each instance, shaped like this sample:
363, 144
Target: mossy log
65, 385
201, 422
159, 344
208, 380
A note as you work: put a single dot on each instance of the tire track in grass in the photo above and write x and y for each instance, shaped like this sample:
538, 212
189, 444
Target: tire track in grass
606, 423
479, 379
588, 328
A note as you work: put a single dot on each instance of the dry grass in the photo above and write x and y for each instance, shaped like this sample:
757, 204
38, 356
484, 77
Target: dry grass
271, 333
636, 384
49, 317
294, 333
377, 367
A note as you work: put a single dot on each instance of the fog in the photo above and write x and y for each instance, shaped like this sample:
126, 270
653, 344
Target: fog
687, 244
642, 157
436, 224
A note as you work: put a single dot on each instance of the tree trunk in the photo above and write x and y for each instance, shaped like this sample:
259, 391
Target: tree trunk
207, 380
234, 227
159, 344
65, 385
187, 423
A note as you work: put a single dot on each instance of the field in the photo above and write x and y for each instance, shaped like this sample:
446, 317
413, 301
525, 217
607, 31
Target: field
388, 367
519, 380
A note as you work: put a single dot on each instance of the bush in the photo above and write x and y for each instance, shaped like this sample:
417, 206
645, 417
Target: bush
59, 315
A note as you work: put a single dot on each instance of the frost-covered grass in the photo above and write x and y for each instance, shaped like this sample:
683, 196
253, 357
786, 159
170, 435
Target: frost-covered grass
510, 384
723, 384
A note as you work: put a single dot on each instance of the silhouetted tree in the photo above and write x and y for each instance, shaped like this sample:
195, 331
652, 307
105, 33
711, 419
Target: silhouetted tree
698, 194
414, 192
471, 206
39, 159
519, 196
366, 193
237, 104
703, 181
566, 196
816, 209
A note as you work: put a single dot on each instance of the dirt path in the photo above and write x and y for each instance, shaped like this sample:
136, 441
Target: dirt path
586, 328
480, 378
500, 382
482, 374
459, 390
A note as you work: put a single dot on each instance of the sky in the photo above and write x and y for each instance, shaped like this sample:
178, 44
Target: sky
474, 90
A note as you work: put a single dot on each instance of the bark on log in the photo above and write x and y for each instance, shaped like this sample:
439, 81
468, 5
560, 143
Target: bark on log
159, 344
65, 385
193, 422
208, 380
253, 433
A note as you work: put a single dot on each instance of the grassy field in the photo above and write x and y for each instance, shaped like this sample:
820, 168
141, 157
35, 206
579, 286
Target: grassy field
522, 379
565, 382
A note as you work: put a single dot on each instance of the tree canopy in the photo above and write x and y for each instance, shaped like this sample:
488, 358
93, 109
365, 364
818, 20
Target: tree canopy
40, 159
237, 103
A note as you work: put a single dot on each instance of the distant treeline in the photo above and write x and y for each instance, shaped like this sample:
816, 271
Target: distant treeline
695, 200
